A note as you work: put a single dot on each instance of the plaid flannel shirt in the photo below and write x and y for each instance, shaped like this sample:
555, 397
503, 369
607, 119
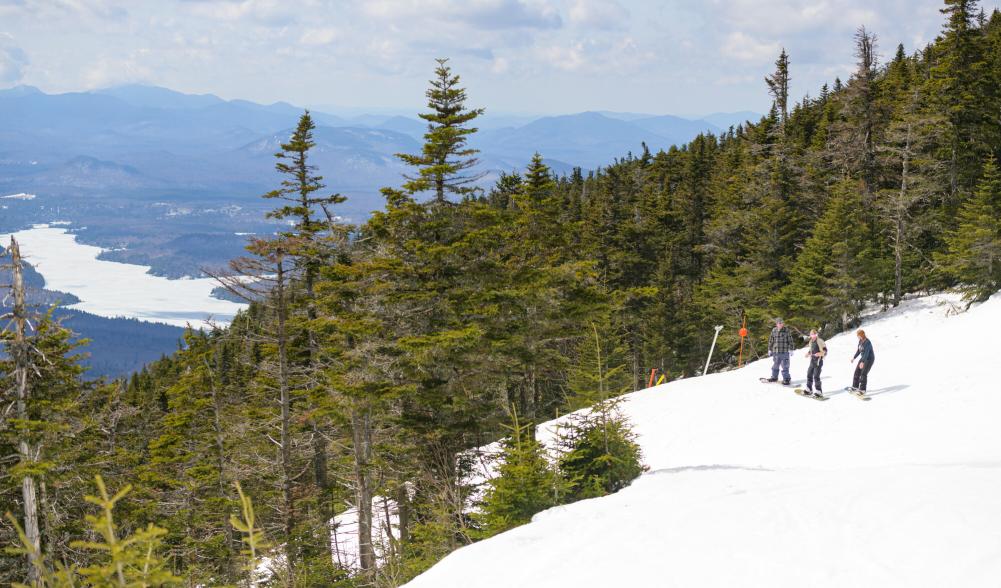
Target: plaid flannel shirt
780, 341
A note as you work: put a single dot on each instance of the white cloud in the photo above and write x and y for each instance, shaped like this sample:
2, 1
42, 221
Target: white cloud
793, 17
263, 12
97, 9
13, 61
115, 70
481, 14
596, 55
319, 36
598, 14
741, 46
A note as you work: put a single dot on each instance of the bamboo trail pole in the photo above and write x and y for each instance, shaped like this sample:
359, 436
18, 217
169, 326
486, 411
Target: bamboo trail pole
711, 349
743, 335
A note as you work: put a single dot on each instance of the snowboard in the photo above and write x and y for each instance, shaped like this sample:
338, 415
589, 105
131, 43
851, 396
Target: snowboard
767, 381
803, 392
857, 393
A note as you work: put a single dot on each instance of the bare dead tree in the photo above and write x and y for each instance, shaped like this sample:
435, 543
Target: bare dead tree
19, 350
908, 148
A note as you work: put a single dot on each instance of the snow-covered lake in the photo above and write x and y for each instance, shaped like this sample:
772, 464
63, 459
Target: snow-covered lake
113, 289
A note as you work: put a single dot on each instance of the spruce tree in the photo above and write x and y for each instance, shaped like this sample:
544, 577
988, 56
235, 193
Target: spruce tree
525, 483
959, 87
598, 450
444, 163
778, 86
827, 282
973, 257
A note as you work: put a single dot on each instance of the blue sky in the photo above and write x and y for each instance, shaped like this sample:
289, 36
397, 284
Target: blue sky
534, 56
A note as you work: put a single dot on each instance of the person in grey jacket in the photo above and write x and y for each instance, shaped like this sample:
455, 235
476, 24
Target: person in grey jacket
779, 348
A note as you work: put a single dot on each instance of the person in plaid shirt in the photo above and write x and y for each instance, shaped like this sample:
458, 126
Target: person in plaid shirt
779, 348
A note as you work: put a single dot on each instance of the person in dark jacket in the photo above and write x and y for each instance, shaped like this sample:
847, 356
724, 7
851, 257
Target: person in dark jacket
779, 348
865, 356
816, 351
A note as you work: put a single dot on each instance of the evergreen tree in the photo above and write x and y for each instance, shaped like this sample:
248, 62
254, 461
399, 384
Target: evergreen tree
445, 160
973, 257
778, 86
525, 483
598, 450
827, 282
958, 85
189, 464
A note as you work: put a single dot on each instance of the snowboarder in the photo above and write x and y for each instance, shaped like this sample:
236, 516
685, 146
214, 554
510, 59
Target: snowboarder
779, 348
816, 352
865, 356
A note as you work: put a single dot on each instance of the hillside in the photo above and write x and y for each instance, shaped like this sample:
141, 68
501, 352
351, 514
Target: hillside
750, 484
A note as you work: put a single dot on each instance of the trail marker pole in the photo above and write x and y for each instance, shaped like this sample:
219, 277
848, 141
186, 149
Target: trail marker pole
653, 374
711, 349
743, 335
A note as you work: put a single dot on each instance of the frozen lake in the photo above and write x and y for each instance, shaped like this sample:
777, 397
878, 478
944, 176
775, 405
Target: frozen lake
113, 289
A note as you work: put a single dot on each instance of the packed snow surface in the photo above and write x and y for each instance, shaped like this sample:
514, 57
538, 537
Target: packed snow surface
113, 289
752, 485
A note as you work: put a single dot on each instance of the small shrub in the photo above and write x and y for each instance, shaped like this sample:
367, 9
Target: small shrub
599, 453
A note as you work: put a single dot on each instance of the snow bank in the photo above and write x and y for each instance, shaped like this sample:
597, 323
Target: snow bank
751, 485
113, 289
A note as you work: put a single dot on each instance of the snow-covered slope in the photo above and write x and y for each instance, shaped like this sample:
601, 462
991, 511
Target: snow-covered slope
752, 485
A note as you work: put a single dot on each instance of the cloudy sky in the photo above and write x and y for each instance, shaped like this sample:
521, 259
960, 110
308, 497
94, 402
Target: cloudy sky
532, 56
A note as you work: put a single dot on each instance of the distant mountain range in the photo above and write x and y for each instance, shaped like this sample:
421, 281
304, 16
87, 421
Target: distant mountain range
173, 180
154, 141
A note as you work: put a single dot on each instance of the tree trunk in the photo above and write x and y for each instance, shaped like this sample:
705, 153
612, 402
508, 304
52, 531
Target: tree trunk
901, 212
286, 418
220, 449
323, 485
361, 428
26, 451
403, 512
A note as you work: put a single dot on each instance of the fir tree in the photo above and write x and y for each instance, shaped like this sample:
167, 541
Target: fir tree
598, 450
973, 257
778, 85
445, 160
957, 83
826, 285
525, 482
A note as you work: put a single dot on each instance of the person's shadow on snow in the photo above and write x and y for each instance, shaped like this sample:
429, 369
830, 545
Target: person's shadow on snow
887, 390
870, 393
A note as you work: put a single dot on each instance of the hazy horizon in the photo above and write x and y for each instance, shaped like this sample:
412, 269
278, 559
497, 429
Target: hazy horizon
533, 57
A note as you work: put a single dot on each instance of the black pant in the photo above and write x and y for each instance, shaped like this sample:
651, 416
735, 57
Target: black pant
813, 373
861, 375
